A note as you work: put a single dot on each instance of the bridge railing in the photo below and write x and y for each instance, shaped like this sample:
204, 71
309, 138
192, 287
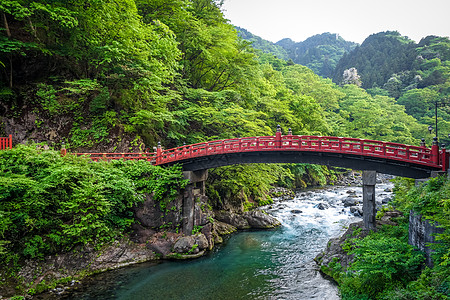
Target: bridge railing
358, 146
396, 151
393, 151
116, 156
6, 142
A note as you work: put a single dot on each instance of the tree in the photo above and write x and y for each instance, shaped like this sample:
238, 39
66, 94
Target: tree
350, 76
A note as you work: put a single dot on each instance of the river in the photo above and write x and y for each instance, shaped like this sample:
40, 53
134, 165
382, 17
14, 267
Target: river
271, 264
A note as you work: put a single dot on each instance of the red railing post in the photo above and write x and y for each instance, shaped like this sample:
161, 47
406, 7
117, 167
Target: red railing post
63, 149
158, 153
435, 151
10, 141
444, 159
278, 137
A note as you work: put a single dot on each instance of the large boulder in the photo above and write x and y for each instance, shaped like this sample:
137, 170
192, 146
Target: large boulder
321, 206
259, 219
162, 242
202, 241
185, 244
222, 228
236, 220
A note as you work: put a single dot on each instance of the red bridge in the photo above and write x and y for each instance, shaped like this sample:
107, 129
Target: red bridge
359, 154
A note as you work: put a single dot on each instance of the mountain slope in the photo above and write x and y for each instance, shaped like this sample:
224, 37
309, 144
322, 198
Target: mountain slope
320, 53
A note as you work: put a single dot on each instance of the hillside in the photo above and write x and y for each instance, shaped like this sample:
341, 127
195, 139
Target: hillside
378, 57
262, 44
320, 53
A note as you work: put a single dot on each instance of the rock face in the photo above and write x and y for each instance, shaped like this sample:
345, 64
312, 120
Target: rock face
86, 260
334, 251
149, 215
421, 233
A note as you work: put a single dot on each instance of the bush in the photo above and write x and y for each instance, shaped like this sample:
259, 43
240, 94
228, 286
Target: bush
50, 203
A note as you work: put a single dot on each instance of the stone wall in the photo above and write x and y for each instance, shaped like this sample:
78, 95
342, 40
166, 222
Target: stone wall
422, 233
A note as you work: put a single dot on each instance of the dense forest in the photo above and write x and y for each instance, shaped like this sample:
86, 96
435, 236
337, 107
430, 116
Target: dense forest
123, 75
386, 63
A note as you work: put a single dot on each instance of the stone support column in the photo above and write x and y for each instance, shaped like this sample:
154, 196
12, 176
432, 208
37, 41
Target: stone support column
369, 205
194, 190
188, 209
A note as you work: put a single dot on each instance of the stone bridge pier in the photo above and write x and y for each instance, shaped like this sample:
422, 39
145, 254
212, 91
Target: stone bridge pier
193, 200
369, 179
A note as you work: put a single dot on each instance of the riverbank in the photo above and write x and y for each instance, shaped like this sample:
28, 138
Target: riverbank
60, 272
250, 264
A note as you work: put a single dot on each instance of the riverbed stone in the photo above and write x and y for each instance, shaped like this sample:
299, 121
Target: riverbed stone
321, 206
162, 242
296, 211
207, 230
259, 219
356, 211
350, 201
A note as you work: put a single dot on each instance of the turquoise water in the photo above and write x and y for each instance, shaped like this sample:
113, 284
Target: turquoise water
273, 264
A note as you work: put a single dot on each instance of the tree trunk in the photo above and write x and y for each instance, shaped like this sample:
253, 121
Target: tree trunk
8, 33
5, 21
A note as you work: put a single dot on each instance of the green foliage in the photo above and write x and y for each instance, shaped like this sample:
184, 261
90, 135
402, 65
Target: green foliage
381, 263
386, 267
379, 57
432, 201
196, 229
238, 185
50, 203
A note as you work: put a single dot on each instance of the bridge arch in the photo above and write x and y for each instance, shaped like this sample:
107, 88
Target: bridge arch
358, 154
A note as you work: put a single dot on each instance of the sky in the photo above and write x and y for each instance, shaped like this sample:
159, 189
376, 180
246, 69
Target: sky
353, 20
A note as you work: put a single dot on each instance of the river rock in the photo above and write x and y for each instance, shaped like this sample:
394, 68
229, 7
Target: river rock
161, 243
222, 228
356, 211
259, 219
296, 211
385, 200
201, 241
236, 220
321, 206
162, 247
185, 244
207, 230
350, 201
335, 252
